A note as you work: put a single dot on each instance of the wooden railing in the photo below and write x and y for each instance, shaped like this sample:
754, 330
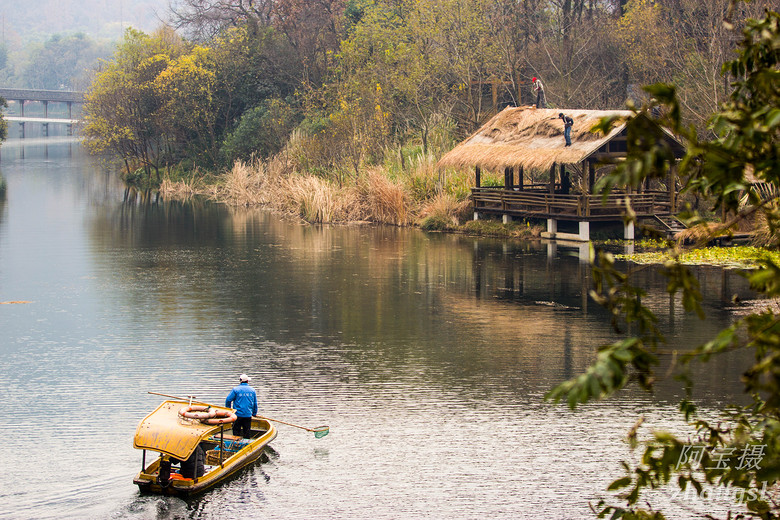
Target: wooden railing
542, 204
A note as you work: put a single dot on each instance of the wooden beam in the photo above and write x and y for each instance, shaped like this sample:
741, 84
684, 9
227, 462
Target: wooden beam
477, 175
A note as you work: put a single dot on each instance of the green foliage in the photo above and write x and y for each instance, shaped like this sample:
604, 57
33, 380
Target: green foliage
748, 126
262, 131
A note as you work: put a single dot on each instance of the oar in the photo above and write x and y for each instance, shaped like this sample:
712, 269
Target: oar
319, 431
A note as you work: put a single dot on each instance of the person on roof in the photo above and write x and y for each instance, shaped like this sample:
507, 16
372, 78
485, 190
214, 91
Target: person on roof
541, 102
243, 399
568, 122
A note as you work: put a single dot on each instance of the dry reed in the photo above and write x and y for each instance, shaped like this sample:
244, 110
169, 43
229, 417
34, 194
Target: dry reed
384, 201
278, 184
446, 208
181, 190
243, 185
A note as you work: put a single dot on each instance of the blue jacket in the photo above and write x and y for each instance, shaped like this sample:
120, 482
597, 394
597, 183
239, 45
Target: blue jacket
245, 400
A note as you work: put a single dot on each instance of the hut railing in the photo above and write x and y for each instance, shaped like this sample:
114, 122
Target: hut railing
543, 204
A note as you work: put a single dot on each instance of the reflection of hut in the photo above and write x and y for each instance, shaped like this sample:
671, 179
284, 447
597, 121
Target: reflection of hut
524, 141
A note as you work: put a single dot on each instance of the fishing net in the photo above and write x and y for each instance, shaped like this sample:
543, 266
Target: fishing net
321, 431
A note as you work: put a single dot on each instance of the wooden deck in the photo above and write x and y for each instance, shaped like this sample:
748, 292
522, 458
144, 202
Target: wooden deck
536, 203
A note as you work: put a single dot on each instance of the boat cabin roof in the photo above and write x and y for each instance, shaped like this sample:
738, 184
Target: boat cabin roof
164, 431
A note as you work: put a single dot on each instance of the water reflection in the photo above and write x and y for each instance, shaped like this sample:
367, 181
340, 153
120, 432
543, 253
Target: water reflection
427, 354
472, 305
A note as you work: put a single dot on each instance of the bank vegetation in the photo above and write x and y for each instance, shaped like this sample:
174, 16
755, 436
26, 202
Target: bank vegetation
338, 110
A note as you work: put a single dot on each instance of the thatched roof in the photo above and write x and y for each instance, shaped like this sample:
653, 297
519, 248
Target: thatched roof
532, 138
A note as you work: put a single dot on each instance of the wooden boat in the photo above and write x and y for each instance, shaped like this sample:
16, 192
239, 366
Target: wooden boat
194, 456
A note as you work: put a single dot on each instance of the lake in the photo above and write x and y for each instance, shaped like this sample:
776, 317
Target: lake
427, 354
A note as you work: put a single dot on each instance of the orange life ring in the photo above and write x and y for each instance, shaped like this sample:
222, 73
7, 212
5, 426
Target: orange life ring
197, 412
221, 417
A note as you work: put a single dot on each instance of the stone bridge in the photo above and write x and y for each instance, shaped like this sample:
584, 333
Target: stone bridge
44, 97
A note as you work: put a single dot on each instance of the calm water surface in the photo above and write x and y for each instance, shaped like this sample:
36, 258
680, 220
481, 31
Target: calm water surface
427, 354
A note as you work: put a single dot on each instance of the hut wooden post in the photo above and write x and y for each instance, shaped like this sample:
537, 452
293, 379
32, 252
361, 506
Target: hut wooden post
551, 185
478, 182
520, 179
591, 176
509, 178
673, 188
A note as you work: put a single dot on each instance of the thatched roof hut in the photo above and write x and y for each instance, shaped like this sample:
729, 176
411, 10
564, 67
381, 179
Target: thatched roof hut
532, 138
520, 140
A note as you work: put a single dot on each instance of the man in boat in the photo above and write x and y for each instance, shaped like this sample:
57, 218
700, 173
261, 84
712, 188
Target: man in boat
243, 399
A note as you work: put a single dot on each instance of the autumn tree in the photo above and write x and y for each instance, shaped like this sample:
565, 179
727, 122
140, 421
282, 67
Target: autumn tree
683, 42
394, 60
122, 107
188, 108
204, 20
313, 29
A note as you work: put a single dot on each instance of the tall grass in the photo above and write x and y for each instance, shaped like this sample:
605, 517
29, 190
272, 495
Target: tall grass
382, 200
180, 189
243, 185
310, 180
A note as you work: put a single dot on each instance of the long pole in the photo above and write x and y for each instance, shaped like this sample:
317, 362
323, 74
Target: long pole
316, 430
288, 424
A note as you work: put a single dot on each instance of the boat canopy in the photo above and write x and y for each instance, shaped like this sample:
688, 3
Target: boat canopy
165, 431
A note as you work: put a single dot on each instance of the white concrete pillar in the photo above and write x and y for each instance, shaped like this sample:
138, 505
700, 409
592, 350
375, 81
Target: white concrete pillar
507, 219
628, 231
476, 216
552, 226
584, 234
